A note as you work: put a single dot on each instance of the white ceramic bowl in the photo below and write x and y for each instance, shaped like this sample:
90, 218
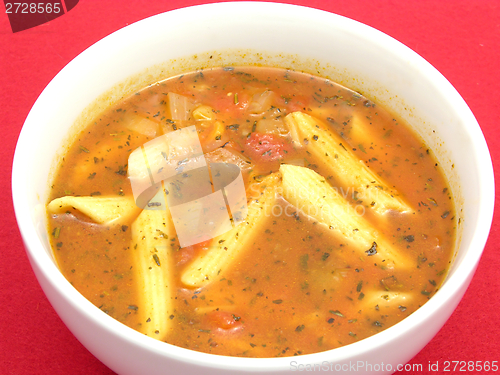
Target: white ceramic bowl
291, 36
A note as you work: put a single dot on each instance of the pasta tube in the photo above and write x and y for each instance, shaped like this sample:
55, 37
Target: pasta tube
141, 125
152, 232
204, 113
326, 145
102, 210
384, 299
226, 247
360, 130
179, 107
311, 193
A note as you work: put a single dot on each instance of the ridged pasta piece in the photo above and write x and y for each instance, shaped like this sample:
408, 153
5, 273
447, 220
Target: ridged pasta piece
102, 210
311, 193
360, 131
381, 299
179, 107
141, 125
326, 145
225, 248
204, 113
152, 232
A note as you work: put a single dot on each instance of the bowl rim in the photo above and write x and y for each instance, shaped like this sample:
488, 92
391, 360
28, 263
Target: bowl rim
451, 288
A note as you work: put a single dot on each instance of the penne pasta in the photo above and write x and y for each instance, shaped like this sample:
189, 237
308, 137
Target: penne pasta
324, 144
179, 107
204, 113
311, 193
226, 247
141, 125
152, 232
102, 210
359, 130
382, 299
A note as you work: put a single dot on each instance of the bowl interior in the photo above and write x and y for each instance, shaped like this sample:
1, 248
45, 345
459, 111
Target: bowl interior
317, 42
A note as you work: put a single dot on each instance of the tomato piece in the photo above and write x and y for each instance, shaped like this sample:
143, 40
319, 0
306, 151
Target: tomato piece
188, 253
267, 147
232, 105
223, 320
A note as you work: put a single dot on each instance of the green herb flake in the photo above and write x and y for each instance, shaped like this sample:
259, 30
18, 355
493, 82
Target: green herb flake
433, 201
372, 250
445, 214
409, 238
236, 318
157, 260
122, 170
303, 262
360, 285
421, 259
336, 312
300, 328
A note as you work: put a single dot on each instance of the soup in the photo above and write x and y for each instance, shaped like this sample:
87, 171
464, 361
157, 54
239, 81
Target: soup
252, 211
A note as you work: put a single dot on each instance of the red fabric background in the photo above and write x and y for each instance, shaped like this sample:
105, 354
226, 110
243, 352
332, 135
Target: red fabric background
460, 38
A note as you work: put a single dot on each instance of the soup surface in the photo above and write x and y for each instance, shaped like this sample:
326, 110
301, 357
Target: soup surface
349, 225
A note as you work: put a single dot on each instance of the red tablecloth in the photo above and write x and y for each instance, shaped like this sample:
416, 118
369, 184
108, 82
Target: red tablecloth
460, 38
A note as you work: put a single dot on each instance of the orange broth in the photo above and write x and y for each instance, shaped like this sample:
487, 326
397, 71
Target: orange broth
300, 287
